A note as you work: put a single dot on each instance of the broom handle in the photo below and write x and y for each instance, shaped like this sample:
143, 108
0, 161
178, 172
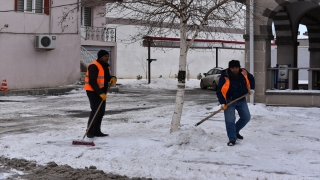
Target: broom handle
214, 113
95, 114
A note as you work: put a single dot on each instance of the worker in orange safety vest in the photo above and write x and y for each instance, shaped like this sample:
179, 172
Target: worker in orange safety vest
96, 84
235, 82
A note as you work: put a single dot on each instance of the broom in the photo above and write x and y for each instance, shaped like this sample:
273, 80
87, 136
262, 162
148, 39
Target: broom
86, 142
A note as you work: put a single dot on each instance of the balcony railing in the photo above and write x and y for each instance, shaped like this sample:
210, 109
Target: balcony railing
86, 57
99, 34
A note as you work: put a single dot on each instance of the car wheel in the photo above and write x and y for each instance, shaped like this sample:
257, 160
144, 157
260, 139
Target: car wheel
214, 86
202, 85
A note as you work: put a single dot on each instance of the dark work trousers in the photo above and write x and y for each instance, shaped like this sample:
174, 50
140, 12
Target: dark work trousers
95, 101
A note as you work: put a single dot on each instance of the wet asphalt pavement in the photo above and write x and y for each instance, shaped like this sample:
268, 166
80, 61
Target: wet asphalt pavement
140, 99
200, 96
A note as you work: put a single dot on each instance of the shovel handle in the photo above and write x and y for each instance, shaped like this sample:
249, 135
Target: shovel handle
214, 113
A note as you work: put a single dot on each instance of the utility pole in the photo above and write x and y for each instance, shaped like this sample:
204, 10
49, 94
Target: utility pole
251, 42
149, 59
217, 57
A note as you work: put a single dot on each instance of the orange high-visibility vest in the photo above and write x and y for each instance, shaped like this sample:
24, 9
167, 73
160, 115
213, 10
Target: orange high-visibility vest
100, 78
226, 85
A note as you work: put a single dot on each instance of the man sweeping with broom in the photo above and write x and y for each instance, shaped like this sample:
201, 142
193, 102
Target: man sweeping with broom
96, 86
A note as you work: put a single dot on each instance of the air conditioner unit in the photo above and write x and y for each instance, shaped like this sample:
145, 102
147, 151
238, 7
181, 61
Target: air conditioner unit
45, 42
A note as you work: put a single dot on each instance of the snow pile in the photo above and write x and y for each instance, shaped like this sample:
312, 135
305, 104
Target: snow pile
191, 138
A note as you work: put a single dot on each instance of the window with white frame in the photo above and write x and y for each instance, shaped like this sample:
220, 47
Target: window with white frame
86, 16
34, 6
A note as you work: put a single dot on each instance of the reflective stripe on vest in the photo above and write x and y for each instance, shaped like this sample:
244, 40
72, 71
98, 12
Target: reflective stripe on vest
226, 86
100, 77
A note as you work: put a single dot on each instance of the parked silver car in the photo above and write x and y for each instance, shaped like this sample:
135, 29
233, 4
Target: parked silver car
211, 78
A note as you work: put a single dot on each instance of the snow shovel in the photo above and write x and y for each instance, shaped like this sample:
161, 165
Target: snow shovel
214, 113
95, 114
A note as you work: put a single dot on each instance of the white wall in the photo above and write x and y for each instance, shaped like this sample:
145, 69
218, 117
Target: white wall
130, 56
24, 67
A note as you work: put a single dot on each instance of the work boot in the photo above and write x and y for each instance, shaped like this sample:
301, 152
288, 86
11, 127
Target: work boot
239, 136
231, 143
100, 134
90, 135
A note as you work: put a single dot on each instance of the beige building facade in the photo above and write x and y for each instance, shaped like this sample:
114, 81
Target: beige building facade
39, 47
286, 15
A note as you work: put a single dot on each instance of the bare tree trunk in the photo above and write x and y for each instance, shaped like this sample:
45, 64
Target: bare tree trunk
175, 123
159, 18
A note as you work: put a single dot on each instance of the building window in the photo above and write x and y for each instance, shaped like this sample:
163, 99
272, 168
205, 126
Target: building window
86, 16
34, 6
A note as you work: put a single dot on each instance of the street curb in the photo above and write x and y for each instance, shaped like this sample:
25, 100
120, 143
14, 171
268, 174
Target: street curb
47, 91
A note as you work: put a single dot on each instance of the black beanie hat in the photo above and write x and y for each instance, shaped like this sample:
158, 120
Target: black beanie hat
102, 53
234, 63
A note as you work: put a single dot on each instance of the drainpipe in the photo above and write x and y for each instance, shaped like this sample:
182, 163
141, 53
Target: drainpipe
78, 18
251, 44
50, 16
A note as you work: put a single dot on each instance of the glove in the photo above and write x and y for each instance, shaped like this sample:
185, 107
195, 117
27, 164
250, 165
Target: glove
103, 96
223, 107
113, 80
251, 91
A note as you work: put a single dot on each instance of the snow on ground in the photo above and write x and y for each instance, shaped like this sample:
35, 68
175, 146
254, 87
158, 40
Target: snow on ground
279, 142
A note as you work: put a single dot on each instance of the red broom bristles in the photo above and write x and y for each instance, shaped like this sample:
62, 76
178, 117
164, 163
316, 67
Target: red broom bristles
83, 143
